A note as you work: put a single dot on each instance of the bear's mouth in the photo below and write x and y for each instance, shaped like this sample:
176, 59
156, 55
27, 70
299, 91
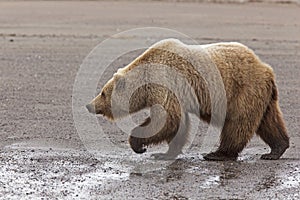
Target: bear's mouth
115, 114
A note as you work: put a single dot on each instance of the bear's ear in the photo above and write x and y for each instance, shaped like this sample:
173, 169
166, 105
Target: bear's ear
120, 83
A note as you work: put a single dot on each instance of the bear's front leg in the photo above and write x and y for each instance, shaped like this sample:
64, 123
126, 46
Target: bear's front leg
235, 135
137, 145
136, 140
177, 141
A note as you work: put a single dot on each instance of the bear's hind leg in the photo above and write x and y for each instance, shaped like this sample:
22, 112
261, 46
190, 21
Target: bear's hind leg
273, 132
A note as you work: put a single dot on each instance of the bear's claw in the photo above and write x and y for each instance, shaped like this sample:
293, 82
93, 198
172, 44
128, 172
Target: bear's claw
218, 156
163, 156
140, 150
275, 154
137, 145
270, 156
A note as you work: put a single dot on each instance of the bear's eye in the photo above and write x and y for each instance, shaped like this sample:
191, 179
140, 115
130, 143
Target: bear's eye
102, 94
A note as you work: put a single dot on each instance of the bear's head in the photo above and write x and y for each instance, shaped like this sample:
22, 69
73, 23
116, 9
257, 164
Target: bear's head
111, 91
119, 97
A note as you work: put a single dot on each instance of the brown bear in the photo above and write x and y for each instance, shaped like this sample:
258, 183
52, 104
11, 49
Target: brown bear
251, 98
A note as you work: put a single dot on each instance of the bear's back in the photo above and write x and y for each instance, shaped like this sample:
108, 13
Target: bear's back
238, 63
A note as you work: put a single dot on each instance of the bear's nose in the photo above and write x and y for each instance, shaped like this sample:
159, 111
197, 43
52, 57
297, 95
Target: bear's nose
90, 108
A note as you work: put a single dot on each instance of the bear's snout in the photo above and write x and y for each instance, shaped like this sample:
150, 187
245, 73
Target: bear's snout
91, 108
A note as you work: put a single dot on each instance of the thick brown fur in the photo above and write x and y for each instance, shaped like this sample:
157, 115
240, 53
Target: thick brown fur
251, 93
